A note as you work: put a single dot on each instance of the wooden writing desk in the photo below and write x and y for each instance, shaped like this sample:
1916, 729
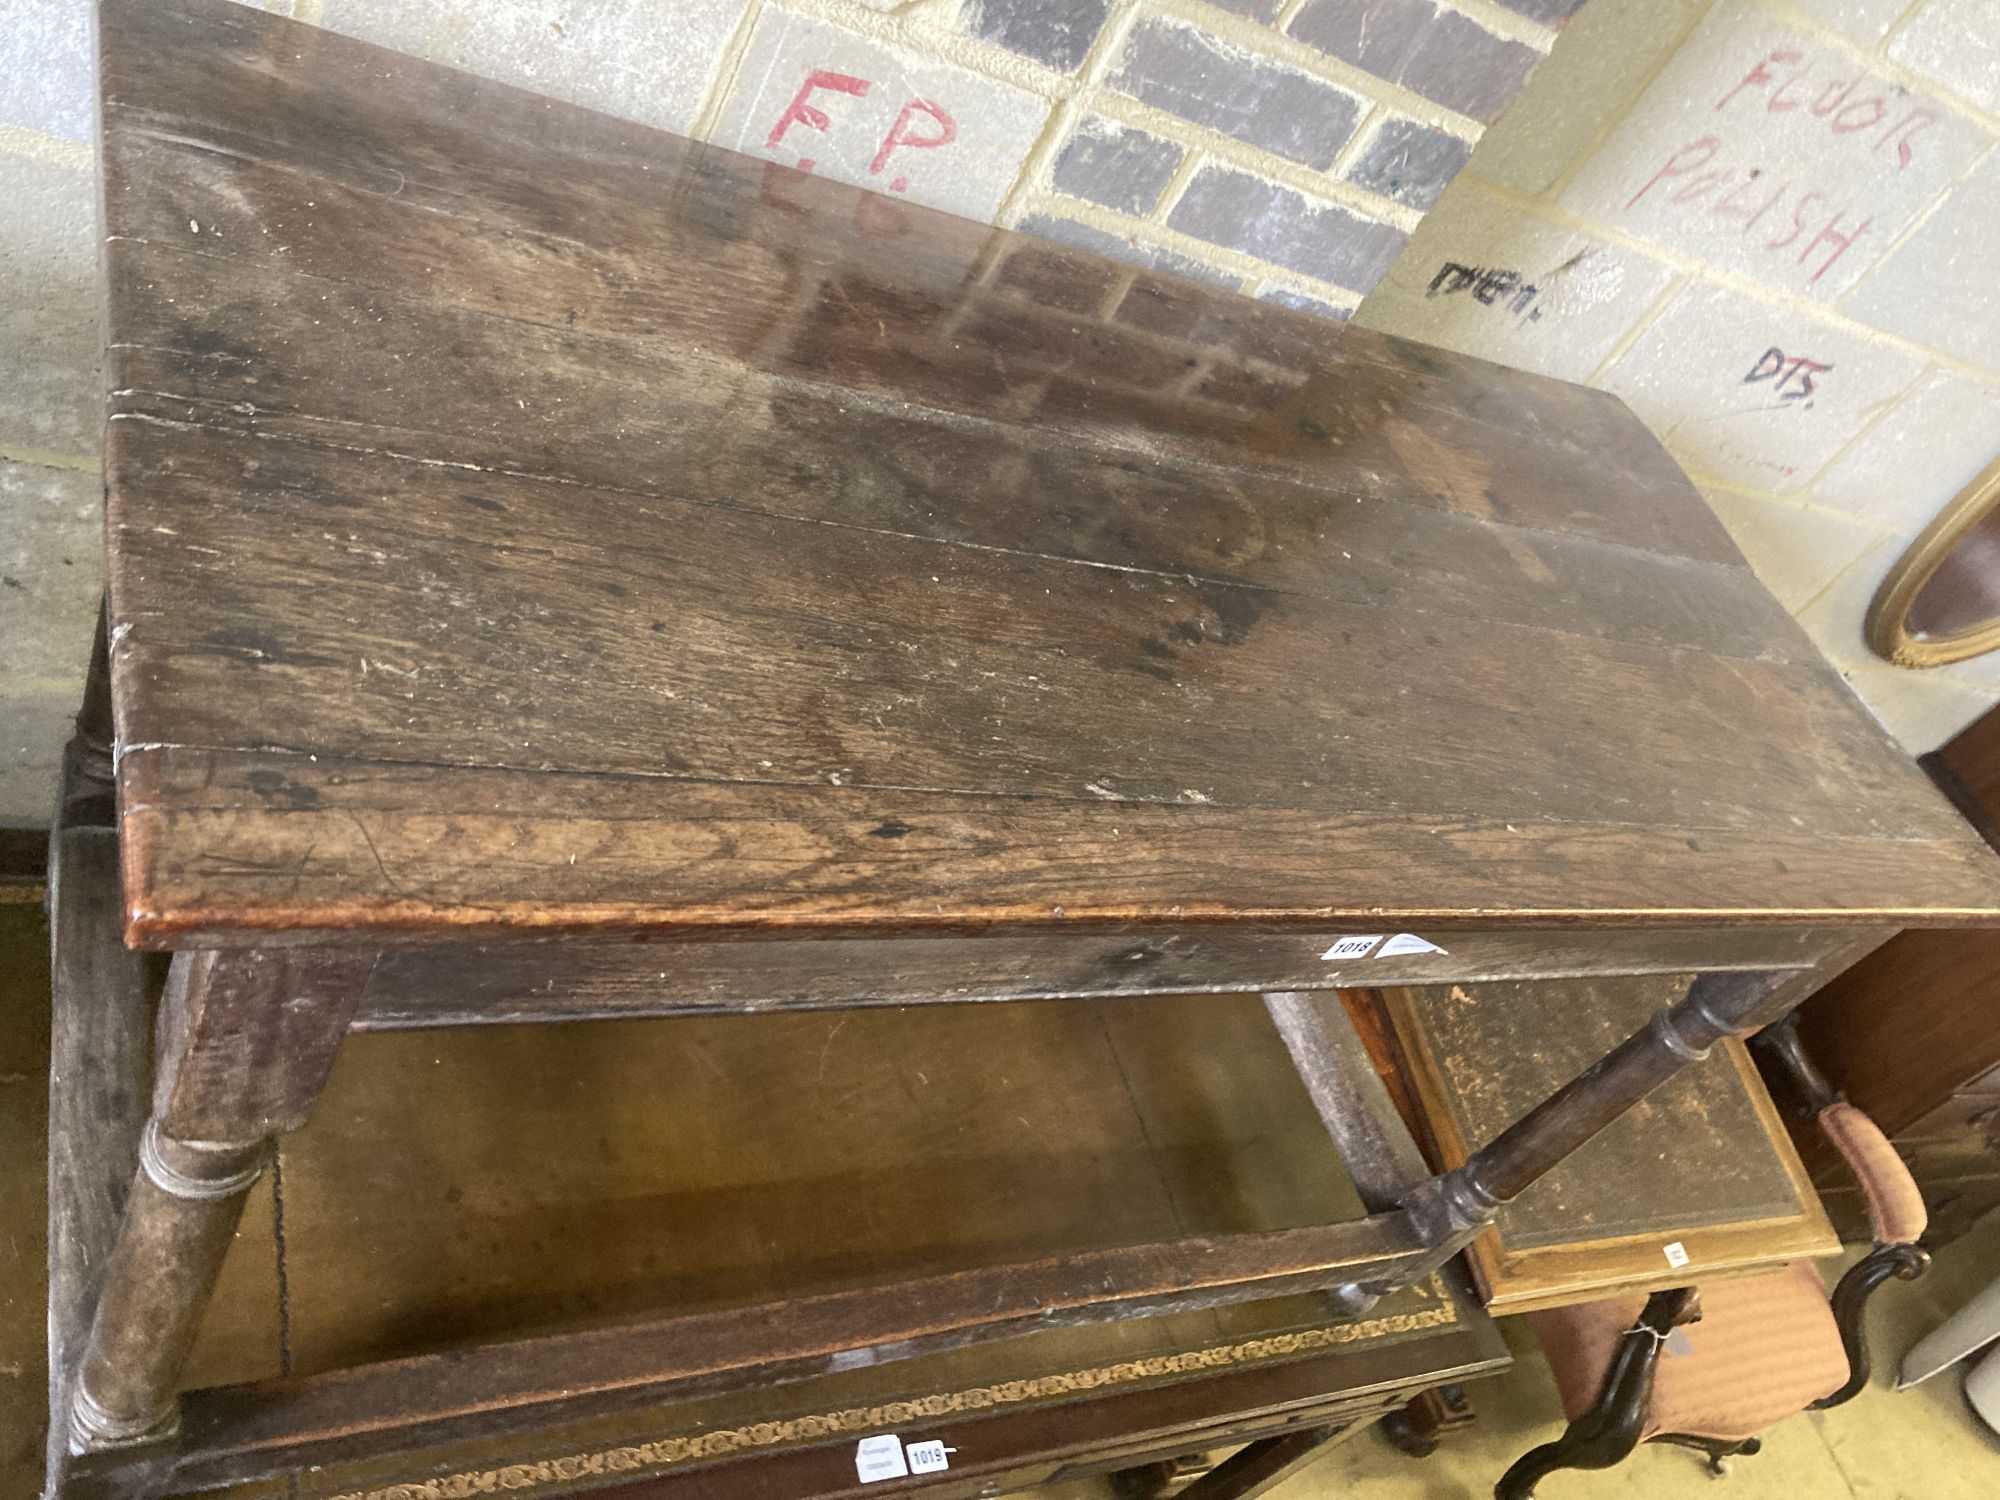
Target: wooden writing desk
559, 571
1697, 1182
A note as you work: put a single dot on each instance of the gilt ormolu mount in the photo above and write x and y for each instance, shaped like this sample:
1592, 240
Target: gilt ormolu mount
558, 570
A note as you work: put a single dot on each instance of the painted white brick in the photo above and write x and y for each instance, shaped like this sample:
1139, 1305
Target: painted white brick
1957, 42
51, 569
637, 59
1716, 377
1907, 467
1769, 152
45, 50
1834, 617
34, 723
51, 573
963, 137
50, 396
1298, 301
1794, 549
1597, 62
1938, 286
1864, 20
1571, 300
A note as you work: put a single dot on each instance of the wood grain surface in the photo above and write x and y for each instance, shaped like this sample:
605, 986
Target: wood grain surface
453, 985
525, 520
98, 1086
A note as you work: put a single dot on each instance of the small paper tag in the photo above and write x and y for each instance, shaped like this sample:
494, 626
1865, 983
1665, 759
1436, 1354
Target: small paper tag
1407, 942
879, 1457
1678, 1342
1677, 1255
929, 1456
1352, 947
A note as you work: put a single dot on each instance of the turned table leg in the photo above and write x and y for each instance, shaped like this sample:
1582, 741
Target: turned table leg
179, 1219
245, 1043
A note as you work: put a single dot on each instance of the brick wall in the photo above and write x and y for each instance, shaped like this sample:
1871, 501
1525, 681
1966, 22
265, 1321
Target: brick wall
1282, 147
1758, 220
1761, 223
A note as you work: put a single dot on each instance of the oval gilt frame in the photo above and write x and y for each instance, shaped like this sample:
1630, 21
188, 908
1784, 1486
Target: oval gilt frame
1887, 624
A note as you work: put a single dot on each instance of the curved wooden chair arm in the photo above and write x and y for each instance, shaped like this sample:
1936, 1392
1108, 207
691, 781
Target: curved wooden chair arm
1616, 1422
1896, 1214
1780, 1042
1850, 1301
1617, 1419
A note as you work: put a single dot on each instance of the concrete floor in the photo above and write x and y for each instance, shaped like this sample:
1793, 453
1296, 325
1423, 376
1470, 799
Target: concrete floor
1919, 1445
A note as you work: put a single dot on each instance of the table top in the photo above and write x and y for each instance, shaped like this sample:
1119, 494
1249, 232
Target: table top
1704, 1164
521, 520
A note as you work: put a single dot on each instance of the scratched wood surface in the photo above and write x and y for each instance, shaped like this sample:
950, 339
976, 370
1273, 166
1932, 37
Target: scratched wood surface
99, 1083
521, 520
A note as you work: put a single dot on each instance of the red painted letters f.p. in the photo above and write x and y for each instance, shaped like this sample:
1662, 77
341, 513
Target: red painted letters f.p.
1760, 75
799, 112
900, 134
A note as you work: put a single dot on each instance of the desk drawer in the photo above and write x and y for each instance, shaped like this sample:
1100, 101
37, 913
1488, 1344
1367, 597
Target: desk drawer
1966, 1116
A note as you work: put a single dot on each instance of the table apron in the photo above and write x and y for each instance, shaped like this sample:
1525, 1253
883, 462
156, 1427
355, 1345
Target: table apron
417, 987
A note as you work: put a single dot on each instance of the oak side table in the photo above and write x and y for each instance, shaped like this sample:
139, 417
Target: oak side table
557, 570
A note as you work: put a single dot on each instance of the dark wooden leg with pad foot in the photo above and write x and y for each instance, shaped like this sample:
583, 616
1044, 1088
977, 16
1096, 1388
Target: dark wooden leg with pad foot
1416, 1428
1715, 1449
99, 1058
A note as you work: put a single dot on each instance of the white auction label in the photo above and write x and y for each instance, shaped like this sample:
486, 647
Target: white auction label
1407, 942
929, 1456
879, 1457
1352, 947
1677, 1255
